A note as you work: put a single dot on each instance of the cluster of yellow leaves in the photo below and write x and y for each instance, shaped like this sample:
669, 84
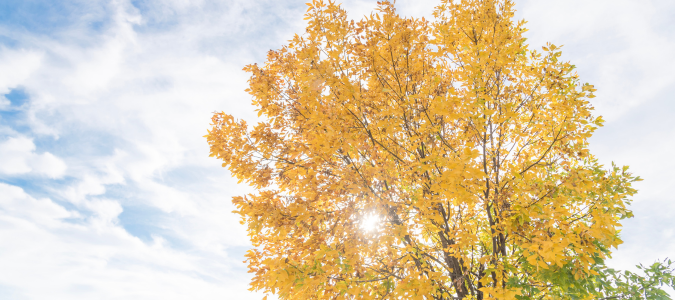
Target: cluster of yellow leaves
470, 148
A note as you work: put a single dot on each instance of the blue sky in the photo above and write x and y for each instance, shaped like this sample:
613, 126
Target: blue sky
106, 187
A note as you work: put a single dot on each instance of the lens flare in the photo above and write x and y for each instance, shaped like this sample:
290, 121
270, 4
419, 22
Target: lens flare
370, 222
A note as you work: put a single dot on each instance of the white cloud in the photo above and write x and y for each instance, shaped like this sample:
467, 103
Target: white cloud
47, 257
4, 103
622, 47
150, 96
16, 66
16, 203
19, 157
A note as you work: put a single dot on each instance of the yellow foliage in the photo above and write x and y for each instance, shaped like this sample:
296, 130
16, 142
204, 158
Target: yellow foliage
470, 148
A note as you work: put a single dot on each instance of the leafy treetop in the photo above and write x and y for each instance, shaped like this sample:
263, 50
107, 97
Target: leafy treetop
469, 148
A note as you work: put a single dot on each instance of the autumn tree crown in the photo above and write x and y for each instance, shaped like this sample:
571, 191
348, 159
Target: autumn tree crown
469, 148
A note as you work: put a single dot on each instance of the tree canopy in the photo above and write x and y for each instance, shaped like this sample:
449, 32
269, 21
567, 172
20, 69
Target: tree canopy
465, 150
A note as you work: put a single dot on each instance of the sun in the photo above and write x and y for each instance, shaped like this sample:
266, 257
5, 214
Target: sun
370, 222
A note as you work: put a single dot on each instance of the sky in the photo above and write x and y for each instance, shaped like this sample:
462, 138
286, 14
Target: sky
106, 187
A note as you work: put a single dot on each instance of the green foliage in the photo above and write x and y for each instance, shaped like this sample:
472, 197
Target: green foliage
608, 283
615, 284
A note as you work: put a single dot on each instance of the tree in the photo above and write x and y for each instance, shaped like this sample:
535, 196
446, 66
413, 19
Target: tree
468, 149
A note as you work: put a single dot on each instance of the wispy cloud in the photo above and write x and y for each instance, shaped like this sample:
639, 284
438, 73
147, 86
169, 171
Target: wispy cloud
120, 111
19, 157
55, 253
